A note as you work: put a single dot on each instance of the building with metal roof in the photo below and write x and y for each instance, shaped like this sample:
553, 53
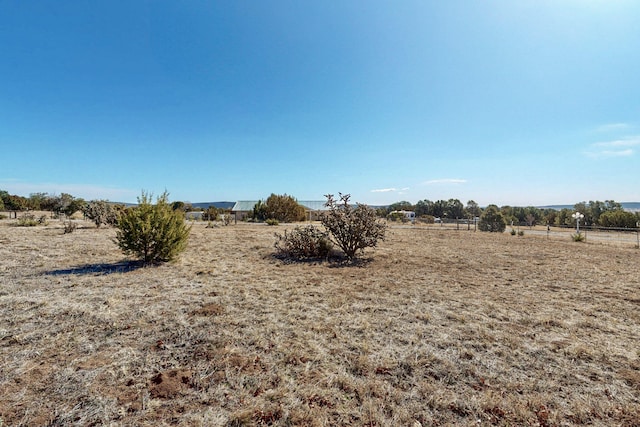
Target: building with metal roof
242, 208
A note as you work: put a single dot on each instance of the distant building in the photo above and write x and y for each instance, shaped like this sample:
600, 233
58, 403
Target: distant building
408, 215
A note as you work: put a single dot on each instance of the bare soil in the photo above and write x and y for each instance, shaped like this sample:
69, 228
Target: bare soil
434, 327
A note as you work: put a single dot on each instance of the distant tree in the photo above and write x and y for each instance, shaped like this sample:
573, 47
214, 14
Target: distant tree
530, 220
509, 214
612, 205
282, 208
473, 209
594, 209
37, 201
423, 208
549, 216
48, 203
211, 214
15, 203
492, 220
66, 204
76, 205
382, 212
178, 205
400, 206
259, 212
352, 228
563, 218
102, 212
454, 209
618, 218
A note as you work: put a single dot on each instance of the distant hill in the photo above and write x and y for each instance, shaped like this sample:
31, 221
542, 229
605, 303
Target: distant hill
627, 206
201, 205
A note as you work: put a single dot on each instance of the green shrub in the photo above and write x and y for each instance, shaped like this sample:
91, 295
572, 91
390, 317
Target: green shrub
153, 233
29, 220
211, 214
284, 208
303, 243
492, 220
520, 233
618, 218
513, 231
578, 237
352, 228
272, 221
26, 220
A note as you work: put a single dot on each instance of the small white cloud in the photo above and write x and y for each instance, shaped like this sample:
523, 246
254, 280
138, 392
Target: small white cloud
613, 148
611, 127
445, 181
384, 190
609, 153
631, 141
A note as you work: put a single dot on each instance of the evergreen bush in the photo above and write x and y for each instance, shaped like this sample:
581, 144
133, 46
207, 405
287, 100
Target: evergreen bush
283, 208
492, 220
153, 233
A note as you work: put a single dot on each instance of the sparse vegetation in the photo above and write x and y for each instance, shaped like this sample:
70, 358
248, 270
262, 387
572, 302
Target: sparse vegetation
429, 332
102, 212
69, 226
578, 237
151, 232
353, 229
30, 220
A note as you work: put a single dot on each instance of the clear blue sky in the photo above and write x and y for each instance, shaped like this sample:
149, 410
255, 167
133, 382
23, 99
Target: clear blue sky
524, 102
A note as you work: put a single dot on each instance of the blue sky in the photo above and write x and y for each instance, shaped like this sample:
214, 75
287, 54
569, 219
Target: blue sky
524, 102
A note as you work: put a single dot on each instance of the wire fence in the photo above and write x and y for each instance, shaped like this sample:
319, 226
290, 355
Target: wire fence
610, 235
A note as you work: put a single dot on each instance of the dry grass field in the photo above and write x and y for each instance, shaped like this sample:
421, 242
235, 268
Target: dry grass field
433, 328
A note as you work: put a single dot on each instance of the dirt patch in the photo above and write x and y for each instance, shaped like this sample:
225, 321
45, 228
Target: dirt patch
170, 384
210, 309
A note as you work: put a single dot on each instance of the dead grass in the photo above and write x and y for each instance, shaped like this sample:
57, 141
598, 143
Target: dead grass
438, 328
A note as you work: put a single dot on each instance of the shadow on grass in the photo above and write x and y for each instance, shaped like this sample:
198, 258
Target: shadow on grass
333, 261
99, 269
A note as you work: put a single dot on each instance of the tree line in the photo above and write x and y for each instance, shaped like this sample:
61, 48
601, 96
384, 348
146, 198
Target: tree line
608, 213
